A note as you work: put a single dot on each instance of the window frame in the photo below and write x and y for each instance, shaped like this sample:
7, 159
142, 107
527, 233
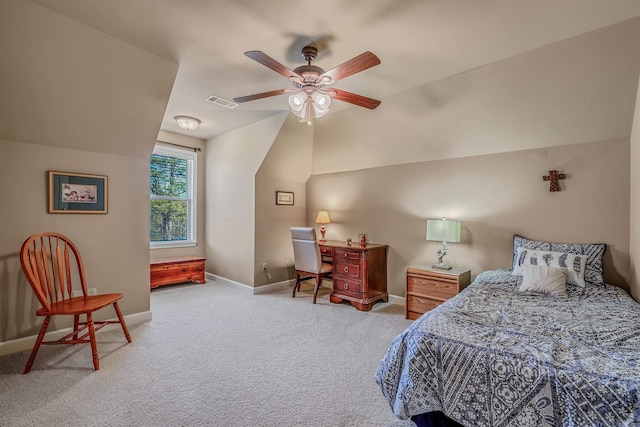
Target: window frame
192, 158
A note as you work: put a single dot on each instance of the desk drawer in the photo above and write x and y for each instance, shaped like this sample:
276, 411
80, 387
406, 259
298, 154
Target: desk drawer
347, 287
347, 255
346, 269
326, 251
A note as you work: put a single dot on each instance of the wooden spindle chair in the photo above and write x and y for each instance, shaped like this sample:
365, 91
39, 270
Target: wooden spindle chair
52, 264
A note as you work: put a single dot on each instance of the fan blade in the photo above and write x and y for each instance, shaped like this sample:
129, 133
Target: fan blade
354, 65
263, 95
352, 98
269, 62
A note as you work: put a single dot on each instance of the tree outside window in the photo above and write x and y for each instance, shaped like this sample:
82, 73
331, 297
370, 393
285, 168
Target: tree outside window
172, 204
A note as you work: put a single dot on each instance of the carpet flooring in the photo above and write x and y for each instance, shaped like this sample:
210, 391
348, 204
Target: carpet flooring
215, 355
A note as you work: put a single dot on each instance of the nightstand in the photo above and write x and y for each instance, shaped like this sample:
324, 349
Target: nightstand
428, 287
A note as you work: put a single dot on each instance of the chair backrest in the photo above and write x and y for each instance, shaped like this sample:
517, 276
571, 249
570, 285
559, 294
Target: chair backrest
52, 264
306, 251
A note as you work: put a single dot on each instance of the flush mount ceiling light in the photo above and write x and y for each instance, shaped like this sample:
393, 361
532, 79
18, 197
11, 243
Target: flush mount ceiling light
187, 123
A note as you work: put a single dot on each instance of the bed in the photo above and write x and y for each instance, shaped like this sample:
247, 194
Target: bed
505, 353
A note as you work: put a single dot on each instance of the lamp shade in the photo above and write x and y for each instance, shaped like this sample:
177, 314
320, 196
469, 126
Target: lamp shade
443, 230
323, 218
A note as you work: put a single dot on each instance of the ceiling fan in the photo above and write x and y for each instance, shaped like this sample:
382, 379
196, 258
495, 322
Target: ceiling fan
310, 83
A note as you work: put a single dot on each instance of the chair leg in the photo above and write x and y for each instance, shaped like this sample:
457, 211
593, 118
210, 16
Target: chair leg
76, 324
92, 338
315, 291
36, 346
297, 284
121, 319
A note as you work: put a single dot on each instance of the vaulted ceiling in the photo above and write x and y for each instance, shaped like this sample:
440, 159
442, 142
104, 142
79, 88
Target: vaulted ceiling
417, 41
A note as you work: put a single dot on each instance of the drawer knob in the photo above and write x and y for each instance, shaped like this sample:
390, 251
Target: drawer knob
346, 286
346, 269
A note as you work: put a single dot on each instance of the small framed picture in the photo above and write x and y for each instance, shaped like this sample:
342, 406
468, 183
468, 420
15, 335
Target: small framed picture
284, 198
77, 193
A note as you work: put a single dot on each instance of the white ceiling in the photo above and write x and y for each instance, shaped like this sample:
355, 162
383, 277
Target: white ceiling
417, 41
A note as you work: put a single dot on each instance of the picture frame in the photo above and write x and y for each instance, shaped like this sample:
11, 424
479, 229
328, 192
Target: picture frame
71, 192
284, 198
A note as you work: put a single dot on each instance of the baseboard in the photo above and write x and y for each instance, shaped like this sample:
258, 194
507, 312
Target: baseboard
26, 343
272, 287
395, 299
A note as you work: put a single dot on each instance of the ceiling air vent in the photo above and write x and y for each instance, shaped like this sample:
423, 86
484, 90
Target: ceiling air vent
222, 102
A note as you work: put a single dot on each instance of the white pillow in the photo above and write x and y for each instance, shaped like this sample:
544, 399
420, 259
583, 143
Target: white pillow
574, 264
540, 279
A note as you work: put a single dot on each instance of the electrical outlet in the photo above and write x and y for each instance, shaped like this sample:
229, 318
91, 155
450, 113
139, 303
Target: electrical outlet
264, 266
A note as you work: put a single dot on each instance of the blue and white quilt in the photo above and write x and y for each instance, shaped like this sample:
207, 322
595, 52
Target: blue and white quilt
493, 356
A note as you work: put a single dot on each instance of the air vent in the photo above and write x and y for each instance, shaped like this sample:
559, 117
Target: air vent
222, 102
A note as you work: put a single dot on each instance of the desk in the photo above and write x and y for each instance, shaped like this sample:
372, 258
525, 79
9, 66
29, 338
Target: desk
359, 272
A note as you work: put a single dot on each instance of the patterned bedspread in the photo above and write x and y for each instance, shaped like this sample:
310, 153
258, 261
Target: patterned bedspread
493, 356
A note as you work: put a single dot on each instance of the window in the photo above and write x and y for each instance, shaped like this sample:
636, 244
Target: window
173, 204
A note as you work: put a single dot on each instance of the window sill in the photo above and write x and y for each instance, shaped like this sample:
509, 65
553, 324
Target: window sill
167, 245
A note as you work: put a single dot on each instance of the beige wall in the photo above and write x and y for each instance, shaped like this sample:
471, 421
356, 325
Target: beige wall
634, 194
286, 167
495, 196
199, 249
233, 159
75, 100
114, 246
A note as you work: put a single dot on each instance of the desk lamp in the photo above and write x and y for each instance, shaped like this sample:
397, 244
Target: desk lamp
445, 231
323, 218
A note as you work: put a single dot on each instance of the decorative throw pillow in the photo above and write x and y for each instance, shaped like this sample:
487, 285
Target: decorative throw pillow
593, 251
540, 279
573, 264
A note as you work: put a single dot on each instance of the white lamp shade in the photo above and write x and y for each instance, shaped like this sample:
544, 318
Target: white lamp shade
443, 230
296, 102
321, 103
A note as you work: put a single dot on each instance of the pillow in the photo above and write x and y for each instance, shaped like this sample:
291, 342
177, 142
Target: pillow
540, 279
574, 265
593, 251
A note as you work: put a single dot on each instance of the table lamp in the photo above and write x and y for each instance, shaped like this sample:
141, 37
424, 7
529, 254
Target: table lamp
445, 231
323, 218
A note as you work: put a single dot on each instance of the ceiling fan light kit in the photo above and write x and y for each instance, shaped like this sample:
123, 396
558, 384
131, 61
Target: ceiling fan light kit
310, 96
306, 106
187, 123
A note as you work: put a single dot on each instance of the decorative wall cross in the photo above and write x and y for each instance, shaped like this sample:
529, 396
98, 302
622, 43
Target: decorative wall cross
553, 178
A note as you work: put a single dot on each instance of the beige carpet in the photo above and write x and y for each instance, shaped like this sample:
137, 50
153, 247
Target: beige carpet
215, 355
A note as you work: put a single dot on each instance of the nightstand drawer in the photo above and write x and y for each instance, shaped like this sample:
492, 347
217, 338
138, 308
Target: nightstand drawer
342, 268
418, 304
433, 288
347, 287
427, 288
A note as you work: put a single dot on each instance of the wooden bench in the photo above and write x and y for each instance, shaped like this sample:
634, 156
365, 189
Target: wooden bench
170, 271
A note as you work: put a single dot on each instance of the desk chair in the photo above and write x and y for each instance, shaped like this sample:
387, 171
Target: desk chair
51, 263
308, 261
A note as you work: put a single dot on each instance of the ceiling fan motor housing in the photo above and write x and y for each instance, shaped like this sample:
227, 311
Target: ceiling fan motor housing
309, 53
